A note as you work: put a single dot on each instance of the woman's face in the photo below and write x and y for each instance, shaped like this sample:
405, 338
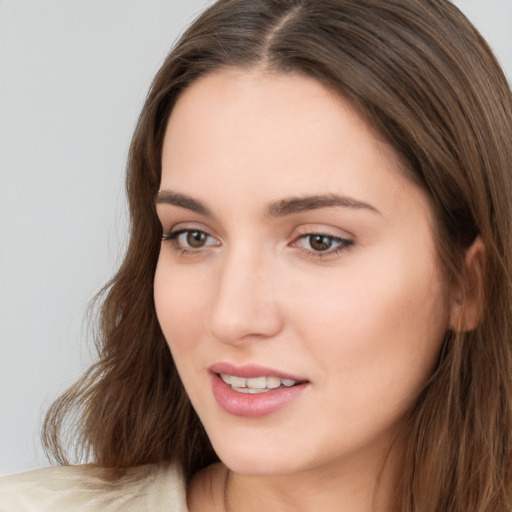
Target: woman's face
297, 285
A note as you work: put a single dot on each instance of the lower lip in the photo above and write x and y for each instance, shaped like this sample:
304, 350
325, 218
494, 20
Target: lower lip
254, 405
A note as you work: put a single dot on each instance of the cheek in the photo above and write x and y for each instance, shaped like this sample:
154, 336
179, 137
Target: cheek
180, 307
375, 334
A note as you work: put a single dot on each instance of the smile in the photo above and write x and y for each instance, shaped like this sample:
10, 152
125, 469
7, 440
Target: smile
255, 384
254, 391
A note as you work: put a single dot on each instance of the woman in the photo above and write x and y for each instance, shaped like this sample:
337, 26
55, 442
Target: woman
313, 311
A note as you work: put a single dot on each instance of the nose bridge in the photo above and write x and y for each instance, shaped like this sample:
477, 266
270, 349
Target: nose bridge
243, 303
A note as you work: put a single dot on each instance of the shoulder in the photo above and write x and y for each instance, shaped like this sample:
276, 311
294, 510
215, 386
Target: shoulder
88, 488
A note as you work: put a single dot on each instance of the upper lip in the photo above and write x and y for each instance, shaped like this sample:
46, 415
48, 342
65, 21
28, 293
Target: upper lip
251, 371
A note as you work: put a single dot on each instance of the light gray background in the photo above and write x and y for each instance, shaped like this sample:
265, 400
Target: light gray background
73, 76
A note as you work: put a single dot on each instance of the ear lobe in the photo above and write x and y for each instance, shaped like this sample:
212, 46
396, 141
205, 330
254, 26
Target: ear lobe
467, 305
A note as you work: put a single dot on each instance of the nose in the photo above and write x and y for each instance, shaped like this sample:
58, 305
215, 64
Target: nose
244, 303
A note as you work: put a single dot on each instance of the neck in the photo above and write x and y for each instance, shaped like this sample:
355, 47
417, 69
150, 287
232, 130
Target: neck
358, 487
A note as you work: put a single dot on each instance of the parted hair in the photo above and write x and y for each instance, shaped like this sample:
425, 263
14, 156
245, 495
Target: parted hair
425, 80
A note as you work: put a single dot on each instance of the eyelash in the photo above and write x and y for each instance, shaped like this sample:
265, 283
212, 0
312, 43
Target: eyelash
173, 239
344, 244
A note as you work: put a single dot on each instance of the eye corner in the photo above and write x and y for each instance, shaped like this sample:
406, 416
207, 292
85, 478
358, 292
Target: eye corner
321, 244
190, 240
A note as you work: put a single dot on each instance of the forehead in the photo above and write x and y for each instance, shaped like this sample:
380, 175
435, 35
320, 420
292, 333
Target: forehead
235, 130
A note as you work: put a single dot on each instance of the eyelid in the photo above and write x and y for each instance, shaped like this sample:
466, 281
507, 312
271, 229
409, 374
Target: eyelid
340, 239
334, 238
343, 239
184, 226
175, 233
323, 229
172, 237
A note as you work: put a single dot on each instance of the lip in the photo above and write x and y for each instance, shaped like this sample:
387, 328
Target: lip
251, 371
253, 405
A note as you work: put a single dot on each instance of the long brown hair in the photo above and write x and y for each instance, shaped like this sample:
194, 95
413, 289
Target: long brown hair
427, 82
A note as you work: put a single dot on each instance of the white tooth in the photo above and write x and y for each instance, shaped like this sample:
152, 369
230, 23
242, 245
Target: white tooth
251, 391
257, 383
254, 391
238, 382
288, 382
225, 377
273, 382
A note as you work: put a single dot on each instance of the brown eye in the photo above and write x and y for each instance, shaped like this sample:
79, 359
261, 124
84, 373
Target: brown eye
321, 245
320, 242
196, 239
192, 240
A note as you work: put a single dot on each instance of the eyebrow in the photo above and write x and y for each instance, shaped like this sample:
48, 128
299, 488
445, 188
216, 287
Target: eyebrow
183, 201
293, 205
281, 208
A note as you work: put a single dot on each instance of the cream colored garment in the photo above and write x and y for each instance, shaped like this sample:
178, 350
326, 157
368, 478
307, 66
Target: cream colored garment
149, 488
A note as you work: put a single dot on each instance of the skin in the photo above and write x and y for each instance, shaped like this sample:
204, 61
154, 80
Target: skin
363, 325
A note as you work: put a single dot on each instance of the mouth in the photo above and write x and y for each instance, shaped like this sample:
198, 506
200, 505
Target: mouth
254, 391
256, 385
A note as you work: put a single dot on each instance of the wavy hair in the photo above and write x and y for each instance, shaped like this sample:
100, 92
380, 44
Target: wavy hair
426, 81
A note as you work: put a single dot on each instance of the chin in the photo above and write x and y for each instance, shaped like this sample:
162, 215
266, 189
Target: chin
257, 465
258, 455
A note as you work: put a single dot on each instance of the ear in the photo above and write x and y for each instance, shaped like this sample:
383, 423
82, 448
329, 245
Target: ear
467, 304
